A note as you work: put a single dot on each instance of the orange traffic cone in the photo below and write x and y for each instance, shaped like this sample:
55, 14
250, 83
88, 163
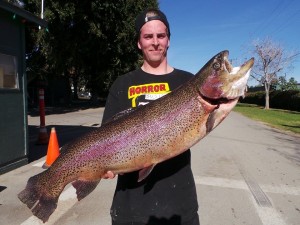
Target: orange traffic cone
53, 149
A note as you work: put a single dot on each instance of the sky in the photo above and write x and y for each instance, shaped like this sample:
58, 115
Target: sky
200, 29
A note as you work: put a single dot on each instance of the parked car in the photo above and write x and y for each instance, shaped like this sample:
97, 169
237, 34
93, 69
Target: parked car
84, 95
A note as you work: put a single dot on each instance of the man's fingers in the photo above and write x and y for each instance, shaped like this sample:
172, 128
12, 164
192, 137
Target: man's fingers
109, 175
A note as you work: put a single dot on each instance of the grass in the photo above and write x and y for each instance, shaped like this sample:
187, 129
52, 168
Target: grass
280, 119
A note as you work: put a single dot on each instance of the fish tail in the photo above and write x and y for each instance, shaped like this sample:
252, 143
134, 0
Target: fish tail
84, 188
44, 208
34, 196
30, 195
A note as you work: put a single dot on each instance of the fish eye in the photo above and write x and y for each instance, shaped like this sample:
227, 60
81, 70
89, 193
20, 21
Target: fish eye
216, 66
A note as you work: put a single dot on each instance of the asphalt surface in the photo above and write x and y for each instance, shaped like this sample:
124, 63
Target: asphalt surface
245, 172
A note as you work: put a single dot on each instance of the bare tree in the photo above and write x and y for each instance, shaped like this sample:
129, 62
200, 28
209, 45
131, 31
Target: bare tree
271, 61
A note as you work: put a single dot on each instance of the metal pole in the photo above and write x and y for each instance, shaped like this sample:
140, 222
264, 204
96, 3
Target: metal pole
42, 12
43, 135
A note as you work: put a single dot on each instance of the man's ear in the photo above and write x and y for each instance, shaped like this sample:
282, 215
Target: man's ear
139, 45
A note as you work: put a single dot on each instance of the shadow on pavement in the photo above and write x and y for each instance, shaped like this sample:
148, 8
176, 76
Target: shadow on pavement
64, 133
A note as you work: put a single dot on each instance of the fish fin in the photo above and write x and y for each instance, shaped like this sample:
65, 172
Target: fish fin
84, 188
214, 119
143, 173
41, 205
210, 123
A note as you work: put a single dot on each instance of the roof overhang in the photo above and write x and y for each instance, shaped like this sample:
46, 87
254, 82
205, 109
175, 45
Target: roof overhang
29, 17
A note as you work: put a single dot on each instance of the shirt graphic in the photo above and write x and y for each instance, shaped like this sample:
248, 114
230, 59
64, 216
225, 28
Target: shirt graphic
143, 94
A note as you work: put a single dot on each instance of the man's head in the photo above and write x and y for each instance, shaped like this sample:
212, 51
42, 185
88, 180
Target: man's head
153, 40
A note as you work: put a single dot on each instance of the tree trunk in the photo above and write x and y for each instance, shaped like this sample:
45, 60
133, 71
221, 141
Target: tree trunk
267, 98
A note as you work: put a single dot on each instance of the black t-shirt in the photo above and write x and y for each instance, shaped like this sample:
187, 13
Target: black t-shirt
169, 191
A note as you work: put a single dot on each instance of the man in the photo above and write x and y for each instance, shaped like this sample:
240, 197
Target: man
168, 195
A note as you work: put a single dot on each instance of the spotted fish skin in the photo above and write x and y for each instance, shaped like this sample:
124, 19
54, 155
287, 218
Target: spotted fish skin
142, 138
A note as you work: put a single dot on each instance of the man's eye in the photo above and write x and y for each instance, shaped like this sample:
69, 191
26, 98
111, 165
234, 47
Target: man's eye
148, 37
161, 36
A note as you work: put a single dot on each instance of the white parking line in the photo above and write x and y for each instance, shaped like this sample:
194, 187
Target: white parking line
268, 215
241, 184
221, 182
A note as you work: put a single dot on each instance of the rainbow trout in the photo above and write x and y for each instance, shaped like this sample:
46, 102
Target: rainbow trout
166, 128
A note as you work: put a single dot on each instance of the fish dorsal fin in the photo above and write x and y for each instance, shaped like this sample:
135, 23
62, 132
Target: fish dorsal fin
120, 114
143, 173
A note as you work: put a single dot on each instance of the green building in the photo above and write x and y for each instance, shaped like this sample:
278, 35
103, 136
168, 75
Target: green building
13, 92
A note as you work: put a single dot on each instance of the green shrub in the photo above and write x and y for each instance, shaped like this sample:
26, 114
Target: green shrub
257, 98
289, 100
285, 100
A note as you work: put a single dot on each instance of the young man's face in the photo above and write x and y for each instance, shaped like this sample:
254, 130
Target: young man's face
154, 41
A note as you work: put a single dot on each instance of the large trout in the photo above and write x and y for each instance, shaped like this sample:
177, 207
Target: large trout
166, 128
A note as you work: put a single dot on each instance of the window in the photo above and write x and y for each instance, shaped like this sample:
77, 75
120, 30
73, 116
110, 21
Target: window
8, 72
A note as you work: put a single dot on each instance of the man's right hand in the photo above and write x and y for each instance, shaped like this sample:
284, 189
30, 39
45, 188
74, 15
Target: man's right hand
109, 175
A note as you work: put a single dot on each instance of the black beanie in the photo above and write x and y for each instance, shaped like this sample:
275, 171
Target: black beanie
142, 18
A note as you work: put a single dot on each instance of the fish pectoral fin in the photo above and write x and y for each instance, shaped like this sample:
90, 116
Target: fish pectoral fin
143, 173
84, 188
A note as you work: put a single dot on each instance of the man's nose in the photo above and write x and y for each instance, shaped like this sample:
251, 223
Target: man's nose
155, 41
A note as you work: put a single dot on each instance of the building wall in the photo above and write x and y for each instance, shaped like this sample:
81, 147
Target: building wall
13, 110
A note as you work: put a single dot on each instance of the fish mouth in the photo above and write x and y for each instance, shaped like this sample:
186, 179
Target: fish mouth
238, 78
219, 101
223, 82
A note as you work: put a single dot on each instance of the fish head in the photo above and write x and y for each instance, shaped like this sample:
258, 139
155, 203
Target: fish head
220, 85
219, 79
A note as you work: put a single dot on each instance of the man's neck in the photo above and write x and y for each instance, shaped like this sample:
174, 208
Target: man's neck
161, 69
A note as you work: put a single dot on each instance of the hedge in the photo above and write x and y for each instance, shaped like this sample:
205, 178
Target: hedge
288, 100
